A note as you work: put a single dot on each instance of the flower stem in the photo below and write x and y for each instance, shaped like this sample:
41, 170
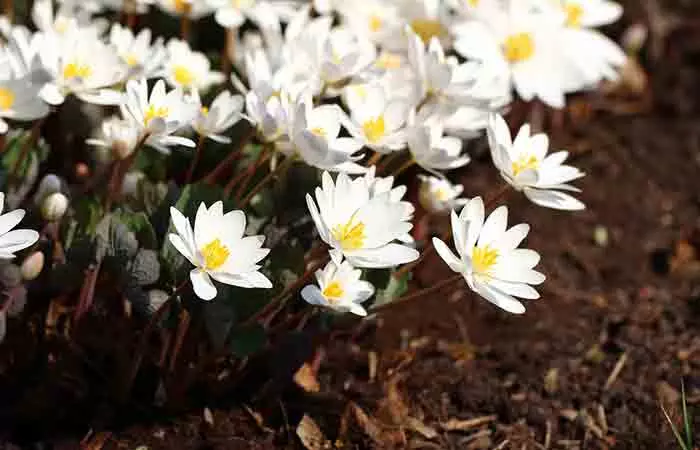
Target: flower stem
9, 10
374, 159
227, 55
381, 167
405, 166
211, 177
185, 23
286, 164
28, 143
195, 160
417, 295
121, 167
245, 176
182, 329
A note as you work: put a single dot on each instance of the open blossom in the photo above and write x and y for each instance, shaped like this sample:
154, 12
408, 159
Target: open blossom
377, 121
188, 69
159, 115
315, 136
438, 195
360, 227
218, 249
525, 165
142, 57
489, 258
80, 64
214, 120
339, 288
194, 9
19, 100
12, 241
432, 150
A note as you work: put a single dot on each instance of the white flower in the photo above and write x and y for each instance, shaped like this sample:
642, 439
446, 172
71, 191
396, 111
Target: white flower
438, 195
266, 114
54, 207
524, 164
378, 20
214, 120
218, 249
265, 14
66, 19
118, 135
339, 288
195, 9
344, 54
314, 133
142, 57
159, 115
19, 100
128, 6
81, 64
378, 122
489, 259
358, 226
428, 19
433, 151
12, 241
188, 69
523, 44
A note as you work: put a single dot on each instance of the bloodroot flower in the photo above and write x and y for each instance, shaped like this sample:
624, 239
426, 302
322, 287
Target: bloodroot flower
12, 241
339, 288
218, 250
489, 259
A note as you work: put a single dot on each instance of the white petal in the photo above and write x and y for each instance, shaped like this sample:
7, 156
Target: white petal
554, 199
10, 220
202, 285
450, 258
499, 298
390, 255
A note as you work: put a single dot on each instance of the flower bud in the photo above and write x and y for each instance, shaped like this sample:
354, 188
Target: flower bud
49, 184
32, 266
54, 207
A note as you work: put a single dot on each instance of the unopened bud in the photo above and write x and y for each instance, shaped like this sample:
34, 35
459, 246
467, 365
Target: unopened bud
54, 207
122, 149
49, 184
32, 266
634, 38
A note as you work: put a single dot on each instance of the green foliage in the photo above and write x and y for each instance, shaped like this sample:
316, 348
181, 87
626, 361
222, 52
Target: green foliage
389, 286
139, 224
685, 442
244, 341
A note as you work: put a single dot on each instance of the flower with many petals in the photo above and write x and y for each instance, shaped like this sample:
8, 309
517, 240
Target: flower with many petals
339, 288
438, 195
12, 241
432, 150
138, 53
489, 258
214, 120
188, 69
218, 249
525, 165
358, 226
118, 135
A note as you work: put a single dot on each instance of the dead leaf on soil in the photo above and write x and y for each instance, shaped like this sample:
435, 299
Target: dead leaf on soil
551, 381
466, 425
305, 378
419, 427
370, 427
311, 435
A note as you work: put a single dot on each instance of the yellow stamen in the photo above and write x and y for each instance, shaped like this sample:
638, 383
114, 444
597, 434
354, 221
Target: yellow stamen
152, 112
351, 235
205, 111
483, 259
388, 61
7, 99
76, 70
183, 76
333, 292
131, 60
182, 6
574, 14
375, 23
473, 3
442, 194
524, 162
318, 131
519, 47
374, 129
427, 29
215, 254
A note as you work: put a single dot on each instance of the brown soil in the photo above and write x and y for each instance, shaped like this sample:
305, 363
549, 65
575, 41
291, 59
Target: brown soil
586, 367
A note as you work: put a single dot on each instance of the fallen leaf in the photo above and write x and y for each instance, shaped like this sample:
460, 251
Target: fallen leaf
311, 435
419, 427
551, 381
305, 378
465, 425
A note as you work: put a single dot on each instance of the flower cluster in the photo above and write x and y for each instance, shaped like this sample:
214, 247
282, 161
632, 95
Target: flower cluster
360, 90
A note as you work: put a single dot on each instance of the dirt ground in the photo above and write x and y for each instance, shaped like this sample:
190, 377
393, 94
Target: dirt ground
588, 365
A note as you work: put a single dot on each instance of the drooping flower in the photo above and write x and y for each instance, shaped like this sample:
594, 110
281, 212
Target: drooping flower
525, 165
12, 241
489, 258
339, 288
358, 226
432, 150
19, 100
118, 135
218, 249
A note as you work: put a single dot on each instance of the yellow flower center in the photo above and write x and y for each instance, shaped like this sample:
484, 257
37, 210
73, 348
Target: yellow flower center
388, 61
524, 162
131, 60
318, 131
215, 254
182, 6
519, 47
60, 25
333, 292
375, 23
473, 3
76, 69
7, 99
574, 14
483, 259
374, 129
442, 194
427, 29
152, 112
351, 235
205, 111
183, 76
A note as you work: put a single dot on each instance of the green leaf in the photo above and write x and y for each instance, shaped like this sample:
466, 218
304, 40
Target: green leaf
140, 225
245, 341
395, 287
145, 268
686, 418
88, 212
